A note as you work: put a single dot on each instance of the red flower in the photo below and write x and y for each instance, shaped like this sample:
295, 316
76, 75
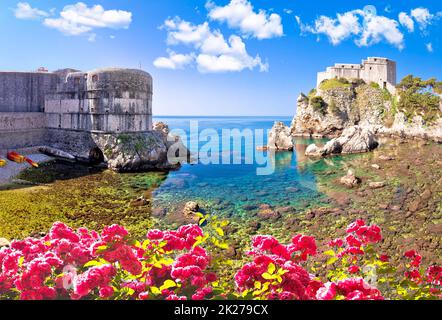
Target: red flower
434, 275
355, 226
353, 269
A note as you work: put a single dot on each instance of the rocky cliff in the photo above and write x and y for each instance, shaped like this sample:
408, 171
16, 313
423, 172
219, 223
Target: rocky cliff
327, 112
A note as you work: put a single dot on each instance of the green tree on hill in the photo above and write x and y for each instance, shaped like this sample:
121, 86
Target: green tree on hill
421, 97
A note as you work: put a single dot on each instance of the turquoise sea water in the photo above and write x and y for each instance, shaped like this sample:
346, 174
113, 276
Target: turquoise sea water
236, 188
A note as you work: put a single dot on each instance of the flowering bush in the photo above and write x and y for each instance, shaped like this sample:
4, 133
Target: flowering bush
173, 265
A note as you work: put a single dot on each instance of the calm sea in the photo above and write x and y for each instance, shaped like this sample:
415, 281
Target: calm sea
237, 186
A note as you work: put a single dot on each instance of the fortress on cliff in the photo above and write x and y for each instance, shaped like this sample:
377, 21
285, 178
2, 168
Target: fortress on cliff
375, 69
73, 110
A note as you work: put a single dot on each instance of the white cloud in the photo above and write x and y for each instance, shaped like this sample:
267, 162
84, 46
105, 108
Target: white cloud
180, 31
406, 21
174, 61
240, 14
24, 11
219, 56
367, 28
338, 29
377, 28
79, 19
213, 53
288, 11
422, 16
429, 47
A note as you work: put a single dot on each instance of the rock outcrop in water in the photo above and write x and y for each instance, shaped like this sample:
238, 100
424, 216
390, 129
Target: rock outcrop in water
140, 152
354, 139
280, 137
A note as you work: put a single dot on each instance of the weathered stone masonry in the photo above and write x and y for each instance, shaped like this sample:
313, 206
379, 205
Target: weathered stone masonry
73, 110
374, 69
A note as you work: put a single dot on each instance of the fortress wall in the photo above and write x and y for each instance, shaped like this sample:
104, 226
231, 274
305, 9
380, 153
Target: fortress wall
109, 123
77, 143
21, 129
25, 91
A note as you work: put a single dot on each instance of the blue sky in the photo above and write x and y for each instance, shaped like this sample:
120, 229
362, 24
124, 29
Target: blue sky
222, 57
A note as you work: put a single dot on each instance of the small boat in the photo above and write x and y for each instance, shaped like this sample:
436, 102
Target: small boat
18, 158
3, 163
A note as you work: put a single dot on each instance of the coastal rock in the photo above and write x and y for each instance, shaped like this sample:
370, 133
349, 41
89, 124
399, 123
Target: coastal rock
328, 112
312, 150
354, 139
350, 180
376, 185
159, 212
190, 210
140, 202
376, 166
56, 152
280, 137
161, 127
4, 243
266, 212
133, 152
413, 127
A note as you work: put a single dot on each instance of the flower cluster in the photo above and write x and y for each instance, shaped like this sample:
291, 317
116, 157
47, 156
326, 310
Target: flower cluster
173, 265
349, 289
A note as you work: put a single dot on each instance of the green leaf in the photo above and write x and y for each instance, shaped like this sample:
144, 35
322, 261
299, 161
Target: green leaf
330, 253
271, 268
220, 231
167, 285
93, 263
155, 290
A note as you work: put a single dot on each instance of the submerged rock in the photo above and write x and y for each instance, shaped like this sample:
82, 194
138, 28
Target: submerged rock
191, 209
280, 137
350, 180
140, 202
376, 185
266, 212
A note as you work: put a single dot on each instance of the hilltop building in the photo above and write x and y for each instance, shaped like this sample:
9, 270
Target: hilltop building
375, 69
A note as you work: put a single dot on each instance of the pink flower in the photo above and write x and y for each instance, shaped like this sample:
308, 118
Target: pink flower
353, 269
352, 241
155, 234
327, 292
114, 233
336, 243
144, 296
106, 292
305, 244
434, 275
355, 226
61, 231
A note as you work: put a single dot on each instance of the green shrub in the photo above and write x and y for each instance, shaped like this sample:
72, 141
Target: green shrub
334, 83
319, 105
417, 97
312, 93
333, 108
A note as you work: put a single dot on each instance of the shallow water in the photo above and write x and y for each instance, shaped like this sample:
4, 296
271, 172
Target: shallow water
237, 187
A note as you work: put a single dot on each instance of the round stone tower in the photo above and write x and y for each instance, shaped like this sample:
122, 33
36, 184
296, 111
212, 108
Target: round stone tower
120, 91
